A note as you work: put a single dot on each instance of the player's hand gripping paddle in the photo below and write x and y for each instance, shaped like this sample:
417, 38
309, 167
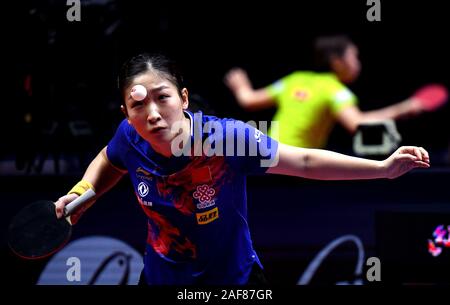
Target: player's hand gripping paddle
35, 232
432, 96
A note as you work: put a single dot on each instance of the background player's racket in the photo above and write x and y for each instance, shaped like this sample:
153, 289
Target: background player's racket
431, 96
35, 232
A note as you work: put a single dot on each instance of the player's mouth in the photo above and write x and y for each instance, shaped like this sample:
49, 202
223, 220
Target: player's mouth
157, 129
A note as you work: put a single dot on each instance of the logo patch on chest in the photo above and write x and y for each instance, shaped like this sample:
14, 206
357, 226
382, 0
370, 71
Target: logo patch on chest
208, 216
205, 195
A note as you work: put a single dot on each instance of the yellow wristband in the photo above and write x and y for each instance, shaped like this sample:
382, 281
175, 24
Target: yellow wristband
81, 187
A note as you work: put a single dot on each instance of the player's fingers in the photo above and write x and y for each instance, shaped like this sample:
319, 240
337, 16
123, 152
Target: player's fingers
62, 202
425, 155
406, 150
230, 76
413, 150
418, 153
406, 157
421, 164
59, 207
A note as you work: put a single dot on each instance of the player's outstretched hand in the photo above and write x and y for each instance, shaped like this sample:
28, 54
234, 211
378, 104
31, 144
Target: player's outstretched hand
237, 79
405, 159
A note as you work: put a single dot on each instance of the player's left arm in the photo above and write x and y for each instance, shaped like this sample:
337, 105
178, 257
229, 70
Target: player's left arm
327, 165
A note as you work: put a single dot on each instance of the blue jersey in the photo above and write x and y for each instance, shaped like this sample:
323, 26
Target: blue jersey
196, 203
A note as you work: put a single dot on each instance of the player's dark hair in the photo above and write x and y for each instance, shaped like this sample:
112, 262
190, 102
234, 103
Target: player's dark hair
145, 62
325, 47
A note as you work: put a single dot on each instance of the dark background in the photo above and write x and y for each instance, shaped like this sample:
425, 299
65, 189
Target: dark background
73, 68
73, 65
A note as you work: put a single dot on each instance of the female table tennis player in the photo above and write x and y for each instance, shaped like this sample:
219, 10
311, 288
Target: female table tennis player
195, 195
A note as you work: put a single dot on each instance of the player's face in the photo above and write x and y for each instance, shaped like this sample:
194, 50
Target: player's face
351, 64
163, 106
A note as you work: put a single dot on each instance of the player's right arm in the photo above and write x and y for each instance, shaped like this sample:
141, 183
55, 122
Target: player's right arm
101, 175
351, 117
248, 98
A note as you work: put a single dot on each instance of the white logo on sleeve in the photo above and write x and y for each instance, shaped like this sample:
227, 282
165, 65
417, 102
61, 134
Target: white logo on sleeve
278, 86
343, 95
143, 189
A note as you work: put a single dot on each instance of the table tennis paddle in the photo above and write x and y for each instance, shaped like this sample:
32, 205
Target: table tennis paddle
35, 232
431, 96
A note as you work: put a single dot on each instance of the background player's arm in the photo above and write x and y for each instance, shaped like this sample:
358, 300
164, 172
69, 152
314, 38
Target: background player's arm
248, 98
351, 116
327, 165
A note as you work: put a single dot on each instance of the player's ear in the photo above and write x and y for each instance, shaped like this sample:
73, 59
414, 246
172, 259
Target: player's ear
125, 112
185, 98
336, 63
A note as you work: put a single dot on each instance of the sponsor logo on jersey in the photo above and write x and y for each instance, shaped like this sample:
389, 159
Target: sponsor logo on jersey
143, 189
144, 202
208, 216
301, 94
142, 174
204, 193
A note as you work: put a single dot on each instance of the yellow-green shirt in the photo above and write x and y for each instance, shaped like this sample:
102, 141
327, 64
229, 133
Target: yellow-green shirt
307, 106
